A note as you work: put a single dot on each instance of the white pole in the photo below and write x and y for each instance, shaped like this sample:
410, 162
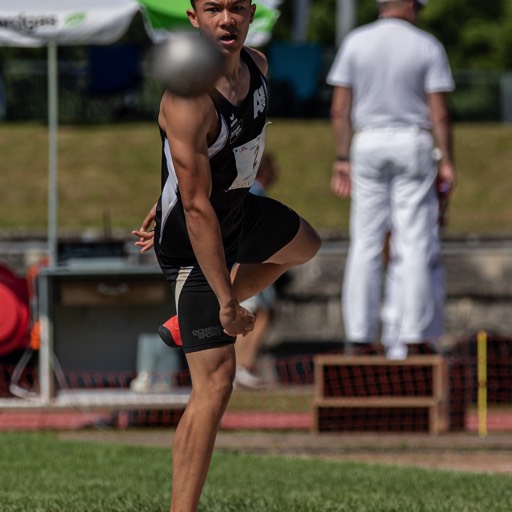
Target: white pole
345, 18
52, 152
506, 97
301, 20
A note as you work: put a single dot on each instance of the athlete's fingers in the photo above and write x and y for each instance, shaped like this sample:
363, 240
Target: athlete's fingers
149, 219
241, 323
144, 235
146, 239
240, 329
144, 246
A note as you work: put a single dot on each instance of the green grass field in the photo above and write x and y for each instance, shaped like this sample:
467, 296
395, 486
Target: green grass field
112, 172
40, 473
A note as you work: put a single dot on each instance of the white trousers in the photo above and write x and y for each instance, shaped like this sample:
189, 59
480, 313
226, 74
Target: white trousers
393, 187
391, 311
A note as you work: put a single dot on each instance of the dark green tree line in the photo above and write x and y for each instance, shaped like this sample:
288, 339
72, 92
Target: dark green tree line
477, 34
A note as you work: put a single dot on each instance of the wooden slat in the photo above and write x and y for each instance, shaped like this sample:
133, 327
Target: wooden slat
341, 360
437, 403
377, 401
115, 291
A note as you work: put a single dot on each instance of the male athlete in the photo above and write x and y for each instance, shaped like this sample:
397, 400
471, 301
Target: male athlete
216, 244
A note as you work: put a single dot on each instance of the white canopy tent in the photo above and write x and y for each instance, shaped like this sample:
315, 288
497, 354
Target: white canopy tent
52, 23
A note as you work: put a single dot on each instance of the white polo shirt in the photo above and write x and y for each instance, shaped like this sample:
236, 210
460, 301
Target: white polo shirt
391, 66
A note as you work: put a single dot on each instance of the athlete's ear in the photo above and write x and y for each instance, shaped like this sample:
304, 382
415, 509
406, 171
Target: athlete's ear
192, 17
253, 10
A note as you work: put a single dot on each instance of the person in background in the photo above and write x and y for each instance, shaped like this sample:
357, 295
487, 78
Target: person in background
388, 113
260, 305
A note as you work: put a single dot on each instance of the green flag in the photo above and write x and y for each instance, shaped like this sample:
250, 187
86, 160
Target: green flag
164, 16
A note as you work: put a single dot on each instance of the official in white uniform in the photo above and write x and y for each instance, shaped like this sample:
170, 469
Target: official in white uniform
388, 112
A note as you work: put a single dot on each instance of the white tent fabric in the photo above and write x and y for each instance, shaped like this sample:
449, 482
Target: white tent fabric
64, 22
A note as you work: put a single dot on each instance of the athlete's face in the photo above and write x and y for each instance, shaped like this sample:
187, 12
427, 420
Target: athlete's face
225, 21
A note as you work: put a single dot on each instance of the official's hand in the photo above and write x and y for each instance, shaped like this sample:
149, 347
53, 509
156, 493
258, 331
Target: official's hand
445, 183
340, 180
236, 320
446, 174
146, 233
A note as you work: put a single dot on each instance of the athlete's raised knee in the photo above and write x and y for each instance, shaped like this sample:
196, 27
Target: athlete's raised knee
305, 244
302, 248
314, 242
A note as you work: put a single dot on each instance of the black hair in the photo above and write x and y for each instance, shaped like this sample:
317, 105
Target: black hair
193, 3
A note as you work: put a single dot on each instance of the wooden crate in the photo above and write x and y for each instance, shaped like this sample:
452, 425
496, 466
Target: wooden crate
375, 394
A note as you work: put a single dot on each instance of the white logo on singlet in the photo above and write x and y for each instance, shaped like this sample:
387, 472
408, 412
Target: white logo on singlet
236, 127
260, 101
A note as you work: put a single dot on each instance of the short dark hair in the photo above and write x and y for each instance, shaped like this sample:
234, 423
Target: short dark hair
193, 3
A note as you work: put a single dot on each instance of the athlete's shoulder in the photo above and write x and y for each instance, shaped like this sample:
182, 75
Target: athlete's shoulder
259, 58
177, 110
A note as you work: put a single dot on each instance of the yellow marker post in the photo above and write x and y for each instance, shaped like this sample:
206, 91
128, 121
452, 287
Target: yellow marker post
482, 382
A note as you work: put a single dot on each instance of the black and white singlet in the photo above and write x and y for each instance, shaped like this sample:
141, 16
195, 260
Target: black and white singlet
234, 160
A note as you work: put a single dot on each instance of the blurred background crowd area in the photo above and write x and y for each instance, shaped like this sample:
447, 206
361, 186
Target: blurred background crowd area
105, 84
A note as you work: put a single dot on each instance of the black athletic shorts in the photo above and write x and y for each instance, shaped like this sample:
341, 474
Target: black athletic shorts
268, 226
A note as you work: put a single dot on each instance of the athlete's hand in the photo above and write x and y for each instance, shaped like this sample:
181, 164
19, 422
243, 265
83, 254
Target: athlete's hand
146, 233
236, 320
340, 180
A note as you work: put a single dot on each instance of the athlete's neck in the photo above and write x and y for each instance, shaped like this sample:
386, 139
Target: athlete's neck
235, 81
